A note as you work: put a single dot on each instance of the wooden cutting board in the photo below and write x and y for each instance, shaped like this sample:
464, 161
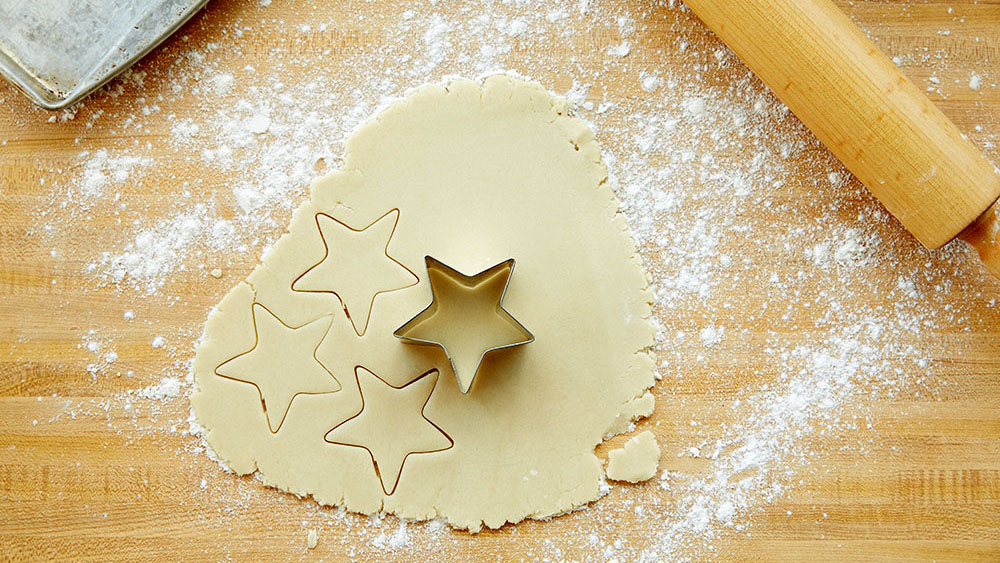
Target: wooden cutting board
85, 473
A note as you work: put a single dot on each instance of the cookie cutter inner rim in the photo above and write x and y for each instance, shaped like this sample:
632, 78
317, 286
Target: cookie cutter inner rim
469, 281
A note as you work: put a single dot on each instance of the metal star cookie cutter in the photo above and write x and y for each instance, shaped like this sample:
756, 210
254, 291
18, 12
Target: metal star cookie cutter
517, 335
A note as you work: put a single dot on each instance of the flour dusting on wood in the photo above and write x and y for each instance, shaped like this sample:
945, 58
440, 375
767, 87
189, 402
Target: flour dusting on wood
692, 150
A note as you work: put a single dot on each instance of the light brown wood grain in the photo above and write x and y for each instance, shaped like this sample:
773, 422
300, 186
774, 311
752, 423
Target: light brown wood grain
868, 113
98, 484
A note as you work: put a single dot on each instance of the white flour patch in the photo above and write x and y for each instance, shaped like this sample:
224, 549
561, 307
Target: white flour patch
711, 335
167, 388
102, 171
651, 83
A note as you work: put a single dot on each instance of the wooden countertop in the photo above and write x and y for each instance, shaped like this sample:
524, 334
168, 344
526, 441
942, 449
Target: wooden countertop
88, 470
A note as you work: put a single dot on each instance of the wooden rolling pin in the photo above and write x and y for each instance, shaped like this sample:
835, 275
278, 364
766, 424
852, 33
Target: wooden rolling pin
873, 118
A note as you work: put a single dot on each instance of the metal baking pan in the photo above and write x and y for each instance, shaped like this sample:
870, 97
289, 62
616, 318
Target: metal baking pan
59, 51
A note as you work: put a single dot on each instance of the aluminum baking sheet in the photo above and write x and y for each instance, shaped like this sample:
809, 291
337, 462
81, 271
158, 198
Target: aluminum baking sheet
58, 51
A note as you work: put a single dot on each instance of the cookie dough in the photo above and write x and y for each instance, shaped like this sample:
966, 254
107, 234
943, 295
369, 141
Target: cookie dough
636, 461
473, 174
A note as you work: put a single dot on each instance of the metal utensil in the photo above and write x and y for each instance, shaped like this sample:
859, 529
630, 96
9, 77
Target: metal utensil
58, 51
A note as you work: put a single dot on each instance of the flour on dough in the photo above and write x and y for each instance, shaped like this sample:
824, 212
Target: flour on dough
636, 461
471, 173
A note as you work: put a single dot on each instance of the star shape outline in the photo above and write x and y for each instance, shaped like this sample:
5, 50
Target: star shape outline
451, 443
326, 254
473, 280
260, 393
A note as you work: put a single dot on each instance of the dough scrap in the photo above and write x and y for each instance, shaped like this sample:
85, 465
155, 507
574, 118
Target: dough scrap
479, 173
312, 539
636, 461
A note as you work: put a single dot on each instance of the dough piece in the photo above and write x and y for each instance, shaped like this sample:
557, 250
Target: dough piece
637, 461
312, 539
479, 173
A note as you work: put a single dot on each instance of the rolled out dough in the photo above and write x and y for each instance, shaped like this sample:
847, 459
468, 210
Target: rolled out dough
472, 174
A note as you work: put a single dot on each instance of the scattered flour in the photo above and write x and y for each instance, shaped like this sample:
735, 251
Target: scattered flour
100, 170
651, 83
694, 107
222, 84
167, 388
621, 50
689, 161
975, 81
711, 335
391, 542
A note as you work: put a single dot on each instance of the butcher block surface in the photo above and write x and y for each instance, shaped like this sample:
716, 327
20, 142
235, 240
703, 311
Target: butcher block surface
96, 458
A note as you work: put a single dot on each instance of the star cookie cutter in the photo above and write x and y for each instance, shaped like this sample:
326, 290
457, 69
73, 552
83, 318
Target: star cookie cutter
452, 292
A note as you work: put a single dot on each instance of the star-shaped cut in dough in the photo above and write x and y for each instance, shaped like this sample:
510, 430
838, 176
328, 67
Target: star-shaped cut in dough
282, 363
356, 266
466, 317
391, 424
